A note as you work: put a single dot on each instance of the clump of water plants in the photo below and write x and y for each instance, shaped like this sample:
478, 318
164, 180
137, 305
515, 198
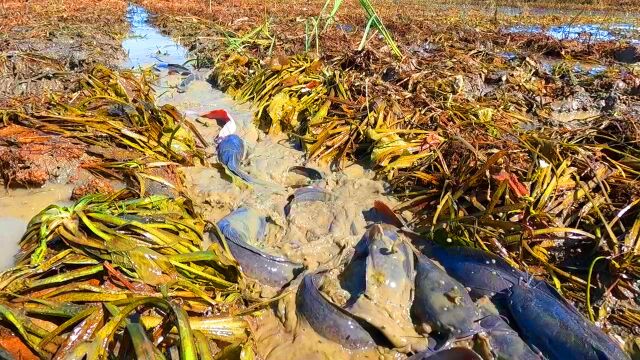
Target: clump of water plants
115, 115
123, 273
115, 274
512, 140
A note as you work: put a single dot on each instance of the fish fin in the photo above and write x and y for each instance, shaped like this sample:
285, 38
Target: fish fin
265, 184
390, 216
600, 354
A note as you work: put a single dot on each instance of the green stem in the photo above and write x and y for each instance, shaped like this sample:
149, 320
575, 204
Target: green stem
590, 310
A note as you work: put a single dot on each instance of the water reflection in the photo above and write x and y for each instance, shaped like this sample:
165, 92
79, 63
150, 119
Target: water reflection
145, 45
583, 32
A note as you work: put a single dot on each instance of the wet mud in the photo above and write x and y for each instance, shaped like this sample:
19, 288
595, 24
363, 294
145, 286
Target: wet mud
18, 206
314, 234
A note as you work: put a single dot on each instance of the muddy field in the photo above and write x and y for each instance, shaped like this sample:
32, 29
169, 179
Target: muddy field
271, 180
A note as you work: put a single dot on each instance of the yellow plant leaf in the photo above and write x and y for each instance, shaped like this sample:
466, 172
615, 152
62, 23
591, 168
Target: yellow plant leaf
282, 109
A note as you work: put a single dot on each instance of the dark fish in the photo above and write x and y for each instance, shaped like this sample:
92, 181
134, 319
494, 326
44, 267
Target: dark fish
307, 194
353, 278
502, 342
173, 68
458, 353
267, 269
547, 324
443, 303
231, 153
182, 87
122, 110
388, 292
243, 226
483, 273
312, 174
328, 320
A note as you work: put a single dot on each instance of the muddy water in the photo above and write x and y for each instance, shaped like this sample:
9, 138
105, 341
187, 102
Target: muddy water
17, 207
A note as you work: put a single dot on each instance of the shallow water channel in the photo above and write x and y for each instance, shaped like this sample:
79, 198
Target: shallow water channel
146, 45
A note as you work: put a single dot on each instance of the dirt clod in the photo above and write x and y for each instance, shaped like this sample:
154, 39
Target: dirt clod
29, 157
92, 186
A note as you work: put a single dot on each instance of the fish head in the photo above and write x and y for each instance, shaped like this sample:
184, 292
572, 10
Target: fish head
382, 235
243, 224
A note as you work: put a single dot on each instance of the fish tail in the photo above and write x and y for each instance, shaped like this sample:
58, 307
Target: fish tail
249, 180
244, 176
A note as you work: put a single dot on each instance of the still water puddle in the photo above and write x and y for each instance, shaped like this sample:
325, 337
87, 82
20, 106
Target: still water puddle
582, 32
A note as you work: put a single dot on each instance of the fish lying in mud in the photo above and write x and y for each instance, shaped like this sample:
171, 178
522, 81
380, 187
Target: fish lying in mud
556, 330
483, 273
230, 154
307, 194
327, 319
191, 77
308, 172
243, 227
443, 303
498, 340
388, 291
